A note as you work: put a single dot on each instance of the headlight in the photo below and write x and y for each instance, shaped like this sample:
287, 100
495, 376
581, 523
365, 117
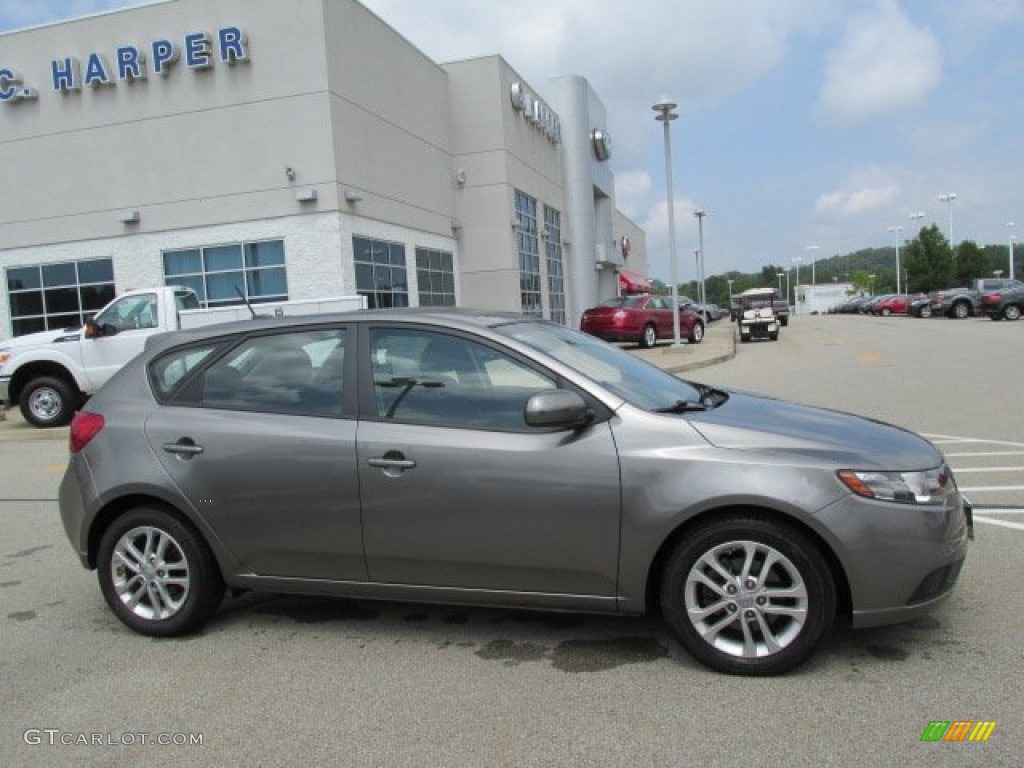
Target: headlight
933, 486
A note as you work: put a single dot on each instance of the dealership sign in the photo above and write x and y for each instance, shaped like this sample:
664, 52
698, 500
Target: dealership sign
130, 63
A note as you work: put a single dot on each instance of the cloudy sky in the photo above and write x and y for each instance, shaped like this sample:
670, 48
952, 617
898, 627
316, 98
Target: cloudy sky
802, 122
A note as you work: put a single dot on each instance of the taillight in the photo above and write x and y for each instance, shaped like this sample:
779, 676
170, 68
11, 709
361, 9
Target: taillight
84, 427
992, 298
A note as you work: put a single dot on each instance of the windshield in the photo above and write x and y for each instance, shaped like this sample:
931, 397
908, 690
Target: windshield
635, 381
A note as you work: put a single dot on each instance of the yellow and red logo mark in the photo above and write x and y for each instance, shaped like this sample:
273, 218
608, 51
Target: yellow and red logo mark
958, 730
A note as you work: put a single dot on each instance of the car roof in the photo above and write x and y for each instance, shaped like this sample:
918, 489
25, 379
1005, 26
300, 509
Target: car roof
449, 317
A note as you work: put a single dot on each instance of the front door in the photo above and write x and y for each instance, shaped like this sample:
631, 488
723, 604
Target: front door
458, 492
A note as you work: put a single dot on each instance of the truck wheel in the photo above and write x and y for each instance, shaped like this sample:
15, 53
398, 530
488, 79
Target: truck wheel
1011, 312
784, 320
961, 310
48, 402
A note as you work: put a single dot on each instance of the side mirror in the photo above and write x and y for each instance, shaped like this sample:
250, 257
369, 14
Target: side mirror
558, 408
93, 330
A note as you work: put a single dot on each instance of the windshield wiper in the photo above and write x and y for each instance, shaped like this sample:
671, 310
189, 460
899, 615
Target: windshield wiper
682, 406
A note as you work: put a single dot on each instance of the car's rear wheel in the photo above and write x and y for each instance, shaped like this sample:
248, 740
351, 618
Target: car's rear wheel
886, 312
697, 333
1011, 312
157, 573
925, 312
649, 337
748, 595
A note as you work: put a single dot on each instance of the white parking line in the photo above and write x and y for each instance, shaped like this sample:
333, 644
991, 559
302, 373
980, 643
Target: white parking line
945, 439
986, 453
1000, 523
984, 488
966, 470
997, 511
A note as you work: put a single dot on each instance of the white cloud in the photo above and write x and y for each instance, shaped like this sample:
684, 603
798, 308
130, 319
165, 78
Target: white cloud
867, 191
883, 63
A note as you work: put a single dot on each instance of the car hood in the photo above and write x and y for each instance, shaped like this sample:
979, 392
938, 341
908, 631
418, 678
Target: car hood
751, 422
41, 339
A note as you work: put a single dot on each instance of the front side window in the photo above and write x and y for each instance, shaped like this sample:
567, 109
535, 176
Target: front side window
221, 275
426, 377
130, 313
381, 273
53, 296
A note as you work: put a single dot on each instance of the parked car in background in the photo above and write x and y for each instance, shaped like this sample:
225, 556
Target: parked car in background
895, 304
642, 319
920, 306
497, 461
966, 302
1006, 304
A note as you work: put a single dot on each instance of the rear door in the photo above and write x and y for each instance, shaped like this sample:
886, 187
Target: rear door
260, 437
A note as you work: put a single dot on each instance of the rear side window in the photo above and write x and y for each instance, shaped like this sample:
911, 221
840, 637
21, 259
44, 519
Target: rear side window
167, 373
299, 373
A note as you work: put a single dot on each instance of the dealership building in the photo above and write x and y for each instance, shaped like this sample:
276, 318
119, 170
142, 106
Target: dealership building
293, 151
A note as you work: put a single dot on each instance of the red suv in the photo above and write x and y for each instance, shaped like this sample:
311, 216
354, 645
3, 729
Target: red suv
642, 318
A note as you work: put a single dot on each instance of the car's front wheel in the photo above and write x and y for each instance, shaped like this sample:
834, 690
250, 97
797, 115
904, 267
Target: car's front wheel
925, 312
748, 595
961, 310
1011, 312
649, 337
48, 401
697, 333
157, 573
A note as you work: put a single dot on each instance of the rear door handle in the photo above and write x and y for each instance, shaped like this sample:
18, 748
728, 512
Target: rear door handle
186, 447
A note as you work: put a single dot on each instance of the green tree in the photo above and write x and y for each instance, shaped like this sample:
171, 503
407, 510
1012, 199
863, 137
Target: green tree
929, 261
971, 262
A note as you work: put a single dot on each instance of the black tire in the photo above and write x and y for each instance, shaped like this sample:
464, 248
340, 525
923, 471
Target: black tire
48, 401
886, 312
784, 320
744, 338
177, 591
798, 627
960, 310
774, 336
1011, 312
924, 312
648, 336
697, 333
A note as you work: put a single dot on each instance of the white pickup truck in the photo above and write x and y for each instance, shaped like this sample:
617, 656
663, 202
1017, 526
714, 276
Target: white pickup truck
50, 374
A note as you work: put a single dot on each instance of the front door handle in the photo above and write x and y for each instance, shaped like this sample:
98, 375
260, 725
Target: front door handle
186, 448
392, 462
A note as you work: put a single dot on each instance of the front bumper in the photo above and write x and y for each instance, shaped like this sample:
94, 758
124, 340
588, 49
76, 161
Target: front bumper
900, 560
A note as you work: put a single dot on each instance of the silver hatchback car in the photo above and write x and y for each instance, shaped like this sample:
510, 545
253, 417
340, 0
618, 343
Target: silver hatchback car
465, 458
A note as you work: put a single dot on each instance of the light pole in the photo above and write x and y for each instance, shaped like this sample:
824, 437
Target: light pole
700, 245
779, 275
665, 116
730, 291
949, 199
796, 289
897, 229
810, 249
788, 270
871, 285
1009, 226
916, 215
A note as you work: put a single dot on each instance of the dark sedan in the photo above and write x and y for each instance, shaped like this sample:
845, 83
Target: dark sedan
642, 319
